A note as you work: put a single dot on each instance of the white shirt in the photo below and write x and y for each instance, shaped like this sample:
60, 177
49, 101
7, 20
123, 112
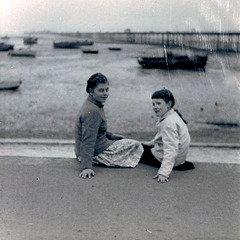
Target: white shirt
171, 142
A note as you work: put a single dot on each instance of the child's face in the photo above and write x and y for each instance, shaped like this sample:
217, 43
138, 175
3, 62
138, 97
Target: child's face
160, 107
100, 92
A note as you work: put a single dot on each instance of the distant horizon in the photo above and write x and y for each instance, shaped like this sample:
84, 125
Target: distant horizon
78, 32
19, 16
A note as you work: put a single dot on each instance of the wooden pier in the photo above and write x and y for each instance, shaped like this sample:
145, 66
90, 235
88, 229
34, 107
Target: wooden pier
207, 41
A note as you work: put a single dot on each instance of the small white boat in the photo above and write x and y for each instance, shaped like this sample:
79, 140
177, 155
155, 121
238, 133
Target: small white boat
10, 85
22, 53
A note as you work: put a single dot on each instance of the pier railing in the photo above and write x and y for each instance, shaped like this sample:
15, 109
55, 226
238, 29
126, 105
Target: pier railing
208, 41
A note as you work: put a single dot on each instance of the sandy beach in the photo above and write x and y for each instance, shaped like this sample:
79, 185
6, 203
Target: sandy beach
53, 90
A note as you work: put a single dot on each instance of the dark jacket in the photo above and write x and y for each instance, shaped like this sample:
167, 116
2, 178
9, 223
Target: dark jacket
91, 136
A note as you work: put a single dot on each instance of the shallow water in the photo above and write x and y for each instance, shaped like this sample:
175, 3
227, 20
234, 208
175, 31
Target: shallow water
54, 83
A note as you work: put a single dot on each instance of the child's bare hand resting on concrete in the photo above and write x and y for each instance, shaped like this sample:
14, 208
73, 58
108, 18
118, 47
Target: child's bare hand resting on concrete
161, 178
87, 173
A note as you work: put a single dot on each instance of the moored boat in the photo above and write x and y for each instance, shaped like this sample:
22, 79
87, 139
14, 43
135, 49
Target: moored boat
171, 61
30, 40
5, 38
89, 51
10, 85
72, 44
6, 47
114, 48
22, 53
85, 43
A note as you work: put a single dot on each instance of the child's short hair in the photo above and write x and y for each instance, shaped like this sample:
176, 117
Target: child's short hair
94, 80
164, 94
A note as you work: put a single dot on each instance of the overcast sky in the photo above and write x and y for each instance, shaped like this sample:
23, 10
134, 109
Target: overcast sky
18, 16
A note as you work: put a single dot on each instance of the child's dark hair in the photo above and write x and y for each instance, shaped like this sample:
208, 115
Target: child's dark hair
94, 80
164, 94
167, 96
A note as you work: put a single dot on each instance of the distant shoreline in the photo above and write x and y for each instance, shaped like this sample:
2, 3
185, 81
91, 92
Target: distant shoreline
213, 41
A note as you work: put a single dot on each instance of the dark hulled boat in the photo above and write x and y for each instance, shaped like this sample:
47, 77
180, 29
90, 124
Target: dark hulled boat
114, 49
89, 51
22, 53
6, 47
72, 44
170, 61
5, 38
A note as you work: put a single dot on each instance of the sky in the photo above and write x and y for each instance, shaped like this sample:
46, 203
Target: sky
19, 16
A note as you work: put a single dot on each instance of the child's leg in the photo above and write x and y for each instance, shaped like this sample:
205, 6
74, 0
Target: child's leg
122, 153
148, 158
185, 166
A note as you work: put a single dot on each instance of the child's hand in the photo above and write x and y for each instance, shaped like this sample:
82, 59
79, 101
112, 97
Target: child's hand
161, 178
118, 137
86, 173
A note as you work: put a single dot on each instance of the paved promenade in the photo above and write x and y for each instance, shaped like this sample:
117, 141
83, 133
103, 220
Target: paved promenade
42, 197
50, 148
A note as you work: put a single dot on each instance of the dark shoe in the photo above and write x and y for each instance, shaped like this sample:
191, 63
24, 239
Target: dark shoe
185, 166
